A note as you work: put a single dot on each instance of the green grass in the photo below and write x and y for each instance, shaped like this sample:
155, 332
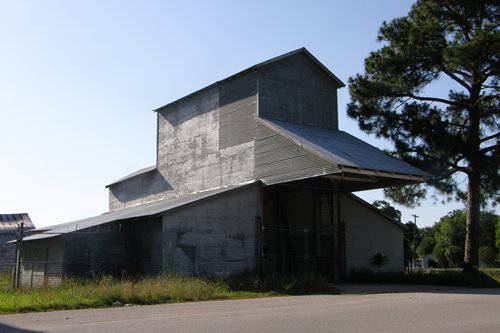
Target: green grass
489, 277
105, 292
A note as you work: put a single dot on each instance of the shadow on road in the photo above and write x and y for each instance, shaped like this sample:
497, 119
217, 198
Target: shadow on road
380, 288
11, 329
472, 291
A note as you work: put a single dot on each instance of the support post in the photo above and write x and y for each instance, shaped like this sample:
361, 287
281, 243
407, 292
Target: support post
17, 273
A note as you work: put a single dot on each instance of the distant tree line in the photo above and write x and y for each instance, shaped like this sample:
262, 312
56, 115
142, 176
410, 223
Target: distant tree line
445, 240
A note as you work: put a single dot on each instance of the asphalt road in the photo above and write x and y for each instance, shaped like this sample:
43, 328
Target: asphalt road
466, 310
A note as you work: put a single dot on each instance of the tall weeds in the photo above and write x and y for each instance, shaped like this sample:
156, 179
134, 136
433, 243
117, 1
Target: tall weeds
106, 291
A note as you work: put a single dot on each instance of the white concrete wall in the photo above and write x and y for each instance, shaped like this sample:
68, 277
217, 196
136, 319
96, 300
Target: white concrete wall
212, 237
367, 233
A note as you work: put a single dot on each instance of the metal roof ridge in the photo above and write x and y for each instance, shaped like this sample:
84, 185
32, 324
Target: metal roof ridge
254, 67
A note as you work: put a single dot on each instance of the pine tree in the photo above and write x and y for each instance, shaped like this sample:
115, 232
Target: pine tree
454, 43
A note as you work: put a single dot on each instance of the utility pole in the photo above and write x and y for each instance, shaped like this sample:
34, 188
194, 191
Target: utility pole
414, 238
17, 273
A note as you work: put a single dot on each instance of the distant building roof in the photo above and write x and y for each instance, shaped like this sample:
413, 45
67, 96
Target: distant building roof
342, 149
10, 222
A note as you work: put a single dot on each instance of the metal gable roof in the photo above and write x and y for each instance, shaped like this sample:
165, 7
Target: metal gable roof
133, 174
143, 210
341, 148
259, 65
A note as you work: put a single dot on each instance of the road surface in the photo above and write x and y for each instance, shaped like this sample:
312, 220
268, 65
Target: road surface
465, 310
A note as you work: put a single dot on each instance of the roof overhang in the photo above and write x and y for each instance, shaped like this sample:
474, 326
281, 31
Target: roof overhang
362, 166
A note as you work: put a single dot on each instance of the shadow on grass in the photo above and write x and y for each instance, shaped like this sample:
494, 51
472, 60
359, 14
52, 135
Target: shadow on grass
282, 284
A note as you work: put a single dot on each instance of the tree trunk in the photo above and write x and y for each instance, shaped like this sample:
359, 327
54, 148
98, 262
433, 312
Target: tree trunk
471, 255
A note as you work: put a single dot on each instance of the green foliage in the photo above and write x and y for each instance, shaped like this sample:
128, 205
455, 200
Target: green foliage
450, 239
445, 240
426, 246
388, 209
411, 239
106, 291
455, 43
488, 255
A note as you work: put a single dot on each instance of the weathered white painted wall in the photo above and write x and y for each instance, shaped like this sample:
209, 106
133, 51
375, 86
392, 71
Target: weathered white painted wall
368, 233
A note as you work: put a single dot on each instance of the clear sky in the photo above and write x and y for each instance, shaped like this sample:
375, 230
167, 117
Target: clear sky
79, 81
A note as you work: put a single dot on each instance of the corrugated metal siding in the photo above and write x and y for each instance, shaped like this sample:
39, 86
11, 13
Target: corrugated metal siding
237, 107
297, 90
278, 159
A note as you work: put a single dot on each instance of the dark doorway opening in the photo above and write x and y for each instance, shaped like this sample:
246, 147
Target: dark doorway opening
298, 230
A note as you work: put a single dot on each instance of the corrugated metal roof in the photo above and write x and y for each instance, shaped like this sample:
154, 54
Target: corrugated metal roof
143, 210
262, 64
9, 222
133, 174
342, 148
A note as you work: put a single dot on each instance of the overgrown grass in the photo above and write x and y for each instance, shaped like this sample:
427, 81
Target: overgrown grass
105, 292
484, 278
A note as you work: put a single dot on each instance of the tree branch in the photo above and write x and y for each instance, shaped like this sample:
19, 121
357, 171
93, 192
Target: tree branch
428, 99
453, 164
496, 135
453, 76
488, 149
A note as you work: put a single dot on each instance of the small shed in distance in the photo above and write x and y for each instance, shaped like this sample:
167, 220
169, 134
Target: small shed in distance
9, 224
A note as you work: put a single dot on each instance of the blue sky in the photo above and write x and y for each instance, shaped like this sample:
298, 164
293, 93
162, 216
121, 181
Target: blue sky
79, 81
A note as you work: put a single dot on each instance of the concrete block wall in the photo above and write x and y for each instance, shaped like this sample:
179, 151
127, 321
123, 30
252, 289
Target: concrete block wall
213, 237
368, 233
